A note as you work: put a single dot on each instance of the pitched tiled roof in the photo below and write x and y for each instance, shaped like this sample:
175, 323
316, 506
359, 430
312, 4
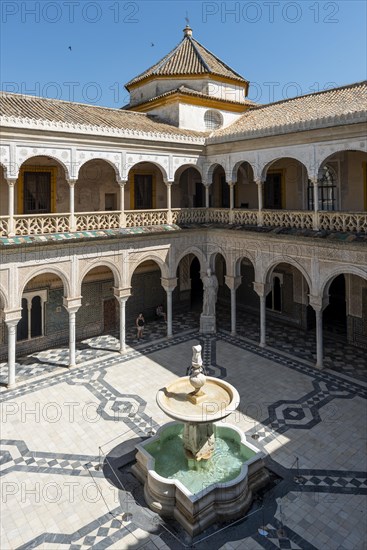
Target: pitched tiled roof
184, 90
83, 116
189, 57
347, 104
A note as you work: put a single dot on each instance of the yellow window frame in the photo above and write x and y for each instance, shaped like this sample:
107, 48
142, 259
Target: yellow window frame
132, 175
50, 169
280, 171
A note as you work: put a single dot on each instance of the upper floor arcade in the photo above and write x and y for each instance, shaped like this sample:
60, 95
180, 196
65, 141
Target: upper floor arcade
45, 193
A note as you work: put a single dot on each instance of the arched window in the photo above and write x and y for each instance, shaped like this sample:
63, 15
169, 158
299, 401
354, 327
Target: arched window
327, 188
31, 324
213, 120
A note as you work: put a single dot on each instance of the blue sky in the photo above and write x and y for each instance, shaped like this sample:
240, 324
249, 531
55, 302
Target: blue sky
284, 48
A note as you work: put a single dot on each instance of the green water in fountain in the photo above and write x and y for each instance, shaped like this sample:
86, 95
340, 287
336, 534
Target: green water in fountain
223, 466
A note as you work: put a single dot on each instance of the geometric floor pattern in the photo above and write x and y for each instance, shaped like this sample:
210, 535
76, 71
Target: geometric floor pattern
338, 355
61, 427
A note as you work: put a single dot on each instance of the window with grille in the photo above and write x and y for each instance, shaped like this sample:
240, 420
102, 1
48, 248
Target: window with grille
213, 120
37, 192
326, 189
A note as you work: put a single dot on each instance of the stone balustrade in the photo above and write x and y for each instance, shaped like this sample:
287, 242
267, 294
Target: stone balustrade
351, 222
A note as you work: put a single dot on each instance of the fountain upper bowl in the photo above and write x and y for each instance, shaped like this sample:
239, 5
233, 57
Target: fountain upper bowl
219, 400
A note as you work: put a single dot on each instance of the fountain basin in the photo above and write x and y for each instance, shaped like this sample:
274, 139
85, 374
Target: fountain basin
219, 400
217, 501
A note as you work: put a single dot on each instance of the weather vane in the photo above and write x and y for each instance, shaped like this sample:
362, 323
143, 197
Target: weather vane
187, 19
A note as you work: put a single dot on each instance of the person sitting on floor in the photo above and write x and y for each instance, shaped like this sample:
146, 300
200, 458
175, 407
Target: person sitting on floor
160, 313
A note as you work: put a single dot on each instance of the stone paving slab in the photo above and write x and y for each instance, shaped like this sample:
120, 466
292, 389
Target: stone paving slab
57, 430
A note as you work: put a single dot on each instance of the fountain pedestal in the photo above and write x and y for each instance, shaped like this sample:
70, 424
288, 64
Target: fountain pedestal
198, 440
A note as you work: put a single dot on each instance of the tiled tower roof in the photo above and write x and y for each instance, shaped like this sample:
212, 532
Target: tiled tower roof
189, 57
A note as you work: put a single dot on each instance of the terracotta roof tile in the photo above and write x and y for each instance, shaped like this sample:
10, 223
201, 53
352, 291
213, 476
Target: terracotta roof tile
189, 57
58, 111
299, 111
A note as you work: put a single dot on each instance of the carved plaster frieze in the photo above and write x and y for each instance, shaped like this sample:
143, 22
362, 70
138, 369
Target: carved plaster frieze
35, 124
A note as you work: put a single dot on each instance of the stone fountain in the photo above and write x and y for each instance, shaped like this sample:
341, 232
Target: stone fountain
194, 469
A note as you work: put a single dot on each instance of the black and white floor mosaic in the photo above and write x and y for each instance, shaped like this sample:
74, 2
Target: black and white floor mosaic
62, 427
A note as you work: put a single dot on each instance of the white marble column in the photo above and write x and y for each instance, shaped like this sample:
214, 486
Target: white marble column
206, 185
233, 283
318, 304
72, 221
72, 305
169, 284
122, 184
11, 186
169, 313
260, 193
169, 201
315, 183
29, 309
319, 340
12, 341
262, 290
122, 295
122, 302
231, 199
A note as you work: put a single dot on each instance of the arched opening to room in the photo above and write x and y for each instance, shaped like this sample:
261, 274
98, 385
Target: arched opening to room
41, 187
188, 190
286, 180
219, 268
44, 320
346, 313
342, 182
146, 292
247, 299
287, 297
98, 313
246, 194
97, 188
145, 189
219, 189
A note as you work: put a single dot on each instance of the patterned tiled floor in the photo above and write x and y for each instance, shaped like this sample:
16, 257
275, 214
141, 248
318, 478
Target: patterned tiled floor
339, 356
68, 440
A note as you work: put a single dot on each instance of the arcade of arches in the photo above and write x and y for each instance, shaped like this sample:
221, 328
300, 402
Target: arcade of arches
47, 319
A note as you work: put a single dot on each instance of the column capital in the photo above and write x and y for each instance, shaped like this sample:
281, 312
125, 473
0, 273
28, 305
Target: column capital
72, 304
11, 181
232, 282
12, 316
318, 303
72, 181
122, 293
261, 289
231, 183
122, 182
169, 284
206, 183
314, 180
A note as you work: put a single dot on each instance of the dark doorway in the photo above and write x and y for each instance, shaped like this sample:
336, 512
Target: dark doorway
199, 195
335, 318
225, 192
109, 315
143, 192
36, 317
22, 327
273, 191
196, 285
